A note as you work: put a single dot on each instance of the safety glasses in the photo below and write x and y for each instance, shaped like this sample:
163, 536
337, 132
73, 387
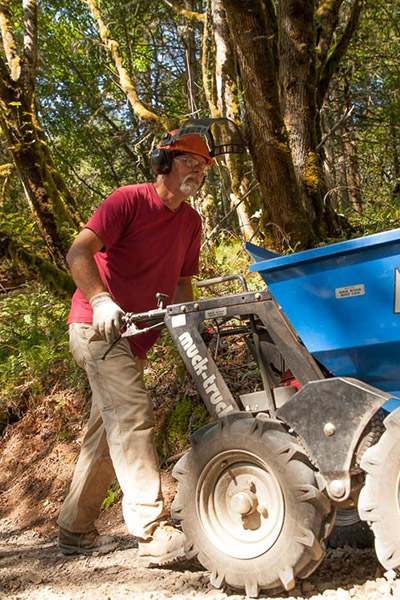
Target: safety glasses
192, 163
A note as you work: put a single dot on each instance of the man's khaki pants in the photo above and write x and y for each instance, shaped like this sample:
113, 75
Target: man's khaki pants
119, 440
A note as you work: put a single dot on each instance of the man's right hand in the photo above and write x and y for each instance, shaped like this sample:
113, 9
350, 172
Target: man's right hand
107, 316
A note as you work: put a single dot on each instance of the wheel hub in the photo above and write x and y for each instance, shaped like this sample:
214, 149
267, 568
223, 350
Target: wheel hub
244, 502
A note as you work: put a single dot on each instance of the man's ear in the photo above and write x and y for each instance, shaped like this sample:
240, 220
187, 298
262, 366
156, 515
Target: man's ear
161, 161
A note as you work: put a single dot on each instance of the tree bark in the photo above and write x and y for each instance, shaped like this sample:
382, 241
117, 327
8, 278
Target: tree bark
284, 85
353, 172
396, 158
298, 89
225, 71
285, 218
39, 177
52, 205
327, 16
228, 106
335, 169
331, 59
56, 279
191, 63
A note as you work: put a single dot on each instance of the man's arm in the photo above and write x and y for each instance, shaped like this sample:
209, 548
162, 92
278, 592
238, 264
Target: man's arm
82, 264
183, 291
106, 313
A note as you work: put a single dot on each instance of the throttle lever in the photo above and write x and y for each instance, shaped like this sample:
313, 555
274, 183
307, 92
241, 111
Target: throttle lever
161, 298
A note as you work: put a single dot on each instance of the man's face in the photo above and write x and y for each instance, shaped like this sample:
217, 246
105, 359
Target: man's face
190, 170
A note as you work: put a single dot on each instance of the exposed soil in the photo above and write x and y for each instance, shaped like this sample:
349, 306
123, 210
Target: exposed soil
37, 457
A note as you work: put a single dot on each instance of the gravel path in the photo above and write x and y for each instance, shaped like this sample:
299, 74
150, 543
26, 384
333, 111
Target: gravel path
31, 567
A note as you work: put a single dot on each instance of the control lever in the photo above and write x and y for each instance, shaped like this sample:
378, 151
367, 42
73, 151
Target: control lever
161, 298
117, 339
131, 328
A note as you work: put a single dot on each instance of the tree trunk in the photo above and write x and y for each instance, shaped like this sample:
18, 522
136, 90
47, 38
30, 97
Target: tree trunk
335, 169
228, 106
353, 172
56, 279
396, 159
41, 181
225, 70
284, 86
298, 91
125, 81
191, 63
285, 218
52, 205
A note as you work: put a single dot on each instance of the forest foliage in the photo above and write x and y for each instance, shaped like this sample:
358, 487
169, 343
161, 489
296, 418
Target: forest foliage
87, 87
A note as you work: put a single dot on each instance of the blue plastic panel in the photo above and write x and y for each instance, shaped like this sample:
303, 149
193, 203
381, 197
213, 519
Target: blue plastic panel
344, 302
259, 253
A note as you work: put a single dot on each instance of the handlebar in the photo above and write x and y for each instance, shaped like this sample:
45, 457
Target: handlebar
150, 315
224, 279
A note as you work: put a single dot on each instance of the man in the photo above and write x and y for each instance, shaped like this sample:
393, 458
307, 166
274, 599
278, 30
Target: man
143, 239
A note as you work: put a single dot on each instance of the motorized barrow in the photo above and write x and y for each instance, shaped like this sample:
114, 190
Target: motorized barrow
259, 488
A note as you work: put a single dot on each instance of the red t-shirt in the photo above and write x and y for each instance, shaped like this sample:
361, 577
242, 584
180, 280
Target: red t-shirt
147, 247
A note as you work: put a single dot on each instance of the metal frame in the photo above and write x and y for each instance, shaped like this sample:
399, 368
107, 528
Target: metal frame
328, 414
183, 321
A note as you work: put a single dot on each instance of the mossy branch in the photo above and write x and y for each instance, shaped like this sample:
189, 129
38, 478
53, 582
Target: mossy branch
188, 14
127, 86
6, 169
338, 50
214, 112
29, 62
6, 172
327, 17
9, 44
57, 280
271, 26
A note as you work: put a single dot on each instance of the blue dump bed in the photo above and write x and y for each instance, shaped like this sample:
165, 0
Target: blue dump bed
344, 302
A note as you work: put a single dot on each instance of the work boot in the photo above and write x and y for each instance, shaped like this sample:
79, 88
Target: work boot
164, 547
85, 543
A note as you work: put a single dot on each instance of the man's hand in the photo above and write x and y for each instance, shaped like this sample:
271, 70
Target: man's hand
107, 316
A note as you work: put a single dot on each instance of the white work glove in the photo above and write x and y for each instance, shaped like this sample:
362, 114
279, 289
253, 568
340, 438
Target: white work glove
107, 316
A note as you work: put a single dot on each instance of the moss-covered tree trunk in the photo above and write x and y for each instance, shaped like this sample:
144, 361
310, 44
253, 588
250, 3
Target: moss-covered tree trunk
54, 278
52, 205
191, 62
56, 218
297, 59
287, 53
228, 106
284, 215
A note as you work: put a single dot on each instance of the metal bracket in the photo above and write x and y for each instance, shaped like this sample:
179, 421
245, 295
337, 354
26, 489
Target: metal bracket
330, 416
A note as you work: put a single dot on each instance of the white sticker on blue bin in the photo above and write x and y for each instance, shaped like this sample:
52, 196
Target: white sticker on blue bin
350, 290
